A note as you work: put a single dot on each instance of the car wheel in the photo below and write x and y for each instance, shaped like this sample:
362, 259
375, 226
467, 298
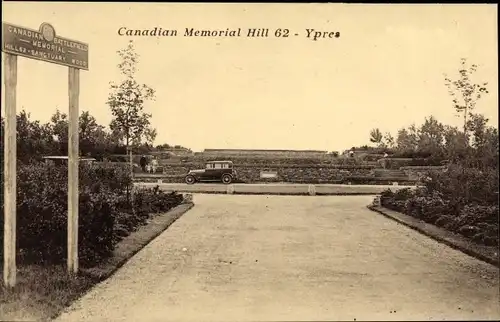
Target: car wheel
190, 179
227, 179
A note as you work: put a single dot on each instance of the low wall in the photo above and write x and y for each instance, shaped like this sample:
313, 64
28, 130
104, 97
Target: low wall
417, 173
275, 189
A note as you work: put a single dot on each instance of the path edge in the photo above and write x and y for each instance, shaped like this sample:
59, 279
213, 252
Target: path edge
129, 246
457, 242
137, 240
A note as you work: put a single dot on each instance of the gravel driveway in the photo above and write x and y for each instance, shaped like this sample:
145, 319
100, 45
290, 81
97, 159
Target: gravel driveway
266, 258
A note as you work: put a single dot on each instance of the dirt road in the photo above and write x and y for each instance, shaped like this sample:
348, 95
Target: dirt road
263, 258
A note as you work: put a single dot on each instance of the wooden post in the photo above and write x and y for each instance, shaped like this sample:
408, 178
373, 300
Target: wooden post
73, 163
131, 176
10, 147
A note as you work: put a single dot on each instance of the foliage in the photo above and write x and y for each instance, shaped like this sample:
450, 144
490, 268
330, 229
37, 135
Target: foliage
417, 160
131, 124
464, 197
105, 216
376, 136
407, 139
476, 221
36, 139
390, 141
482, 188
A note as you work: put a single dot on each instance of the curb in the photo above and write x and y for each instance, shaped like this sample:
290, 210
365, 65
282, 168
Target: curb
123, 252
457, 242
300, 193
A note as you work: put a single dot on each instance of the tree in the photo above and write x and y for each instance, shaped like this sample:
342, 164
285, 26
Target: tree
431, 136
34, 140
490, 150
59, 128
130, 124
407, 139
163, 146
389, 139
476, 125
465, 93
484, 141
376, 137
94, 140
454, 147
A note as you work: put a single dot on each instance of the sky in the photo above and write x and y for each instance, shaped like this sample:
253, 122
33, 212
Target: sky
386, 69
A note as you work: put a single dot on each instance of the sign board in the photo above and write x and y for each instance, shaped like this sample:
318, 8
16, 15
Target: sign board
268, 174
44, 45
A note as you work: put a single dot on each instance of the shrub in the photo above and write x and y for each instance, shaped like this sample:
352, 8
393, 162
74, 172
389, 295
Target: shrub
476, 214
399, 162
105, 212
154, 200
465, 185
42, 215
477, 222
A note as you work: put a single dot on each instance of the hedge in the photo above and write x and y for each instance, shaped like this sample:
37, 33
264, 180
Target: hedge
397, 163
462, 200
106, 213
270, 160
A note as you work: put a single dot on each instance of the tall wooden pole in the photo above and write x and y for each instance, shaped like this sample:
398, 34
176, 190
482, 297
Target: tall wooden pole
73, 162
9, 193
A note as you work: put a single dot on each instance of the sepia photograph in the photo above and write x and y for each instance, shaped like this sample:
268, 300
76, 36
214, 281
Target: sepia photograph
249, 162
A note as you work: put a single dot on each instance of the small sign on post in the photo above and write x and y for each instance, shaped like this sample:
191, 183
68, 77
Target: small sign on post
45, 45
268, 174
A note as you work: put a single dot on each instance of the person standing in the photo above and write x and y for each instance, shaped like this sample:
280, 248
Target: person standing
385, 160
154, 164
143, 163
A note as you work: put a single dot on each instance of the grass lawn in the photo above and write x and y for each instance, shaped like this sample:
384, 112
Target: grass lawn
41, 292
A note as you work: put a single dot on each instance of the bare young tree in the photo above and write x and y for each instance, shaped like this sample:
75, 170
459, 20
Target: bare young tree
130, 123
465, 93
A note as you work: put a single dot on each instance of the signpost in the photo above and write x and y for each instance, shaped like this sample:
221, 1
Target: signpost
44, 45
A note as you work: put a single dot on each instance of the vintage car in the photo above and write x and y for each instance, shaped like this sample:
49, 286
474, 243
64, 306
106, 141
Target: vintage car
215, 171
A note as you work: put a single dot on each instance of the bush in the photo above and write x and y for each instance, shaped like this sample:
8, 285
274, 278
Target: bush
396, 163
466, 185
42, 215
153, 200
105, 212
396, 200
428, 208
477, 222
